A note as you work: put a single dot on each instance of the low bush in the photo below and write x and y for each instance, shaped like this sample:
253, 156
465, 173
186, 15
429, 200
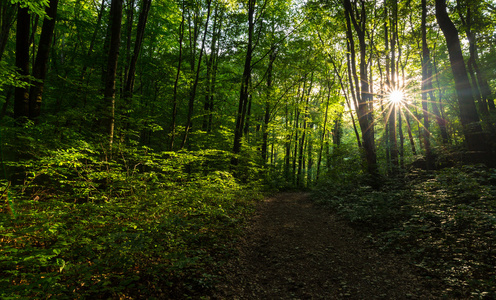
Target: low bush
143, 225
444, 221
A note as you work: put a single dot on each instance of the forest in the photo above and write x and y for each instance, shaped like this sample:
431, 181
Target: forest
138, 136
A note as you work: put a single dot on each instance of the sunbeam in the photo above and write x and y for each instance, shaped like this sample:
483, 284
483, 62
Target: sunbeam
396, 97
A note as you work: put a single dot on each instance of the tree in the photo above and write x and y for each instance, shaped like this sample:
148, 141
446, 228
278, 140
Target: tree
426, 85
194, 87
245, 83
140, 32
21, 101
7, 19
41, 64
358, 17
111, 70
472, 130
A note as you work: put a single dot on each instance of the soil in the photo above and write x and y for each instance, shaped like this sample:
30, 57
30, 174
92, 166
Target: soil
295, 249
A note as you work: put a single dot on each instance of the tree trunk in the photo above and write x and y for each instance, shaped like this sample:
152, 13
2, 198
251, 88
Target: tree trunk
426, 86
140, 32
245, 82
365, 99
41, 63
301, 159
7, 18
439, 110
410, 135
192, 95
176, 81
211, 66
310, 160
111, 72
324, 129
472, 130
265, 127
21, 98
287, 146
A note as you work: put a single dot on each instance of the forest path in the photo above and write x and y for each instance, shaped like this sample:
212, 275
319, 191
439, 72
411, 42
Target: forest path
293, 249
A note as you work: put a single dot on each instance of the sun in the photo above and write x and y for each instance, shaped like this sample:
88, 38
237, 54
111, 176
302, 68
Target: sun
396, 97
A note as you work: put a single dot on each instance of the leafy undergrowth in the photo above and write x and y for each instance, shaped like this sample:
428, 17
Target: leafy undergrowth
444, 221
144, 225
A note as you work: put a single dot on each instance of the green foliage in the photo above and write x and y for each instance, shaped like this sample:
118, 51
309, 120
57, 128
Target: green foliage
145, 224
364, 207
34, 6
444, 221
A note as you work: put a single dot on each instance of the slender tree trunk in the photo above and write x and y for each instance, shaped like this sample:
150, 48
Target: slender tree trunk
245, 82
366, 98
210, 76
192, 96
247, 117
310, 159
402, 141
296, 129
426, 86
480, 87
287, 146
322, 137
176, 81
7, 18
89, 53
472, 130
128, 34
300, 175
357, 135
140, 33
41, 64
265, 127
393, 118
113, 56
437, 107
21, 98
410, 135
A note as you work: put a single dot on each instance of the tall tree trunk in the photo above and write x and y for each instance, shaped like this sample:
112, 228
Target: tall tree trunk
176, 80
7, 18
140, 33
211, 66
324, 129
393, 126
111, 71
365, 99
287, 145
296, 130
472, 130
21, 98
245, 82
426, 86
482, 91
310, 159
347, 99
402, 140
128, 34
89, 53
300, 175
265, 127
410, 135
437, 107
192, 95
41, 64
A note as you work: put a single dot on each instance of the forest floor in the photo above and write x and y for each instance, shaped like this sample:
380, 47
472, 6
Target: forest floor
294, 249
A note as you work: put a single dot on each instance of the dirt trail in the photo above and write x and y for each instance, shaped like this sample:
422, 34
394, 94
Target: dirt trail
296, 250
